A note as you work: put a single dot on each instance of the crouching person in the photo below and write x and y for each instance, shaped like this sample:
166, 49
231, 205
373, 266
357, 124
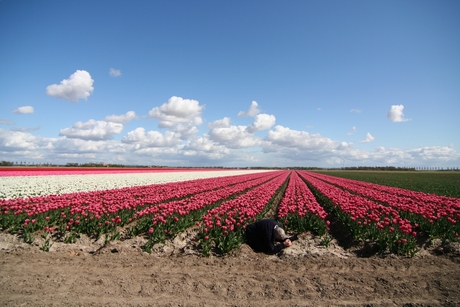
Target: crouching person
262, 235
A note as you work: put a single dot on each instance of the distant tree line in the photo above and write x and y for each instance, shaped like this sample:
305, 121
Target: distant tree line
91, 164
348, 168
379, 168
6, 163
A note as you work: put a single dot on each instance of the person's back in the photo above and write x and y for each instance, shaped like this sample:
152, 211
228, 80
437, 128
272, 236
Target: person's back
261, 235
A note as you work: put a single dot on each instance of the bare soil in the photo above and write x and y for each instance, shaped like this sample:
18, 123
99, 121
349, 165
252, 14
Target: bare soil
120, 273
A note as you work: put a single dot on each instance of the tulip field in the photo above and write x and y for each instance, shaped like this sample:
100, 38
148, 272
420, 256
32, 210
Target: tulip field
61, 206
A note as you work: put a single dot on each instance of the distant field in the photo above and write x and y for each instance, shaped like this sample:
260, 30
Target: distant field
440, 183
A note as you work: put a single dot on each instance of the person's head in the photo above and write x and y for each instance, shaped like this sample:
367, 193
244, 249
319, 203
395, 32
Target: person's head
279, 234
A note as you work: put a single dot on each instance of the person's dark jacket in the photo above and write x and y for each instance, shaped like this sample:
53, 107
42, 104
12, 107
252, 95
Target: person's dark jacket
260, 236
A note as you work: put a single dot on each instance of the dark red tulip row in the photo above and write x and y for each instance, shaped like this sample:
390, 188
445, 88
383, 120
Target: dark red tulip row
436, 216
299, 210
110, 201
367, 219
175, 216
223, 227
100, 211
430, 205
444, 201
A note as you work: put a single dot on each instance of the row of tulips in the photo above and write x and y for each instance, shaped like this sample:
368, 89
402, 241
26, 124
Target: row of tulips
299, 210
98, 212
441, 200
171, 218
50, 171
436, 216
66, 183
223, 227
365, 218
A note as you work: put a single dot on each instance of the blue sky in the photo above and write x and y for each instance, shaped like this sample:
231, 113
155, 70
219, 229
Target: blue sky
231, 83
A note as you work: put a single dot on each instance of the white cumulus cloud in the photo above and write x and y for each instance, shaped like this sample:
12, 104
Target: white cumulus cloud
78, 86
24, 110
369, 138
92, 130
201, 144
143, 138
285, 137
17, 141
396, 114
233, 136
122, 119
185, 131
253, 110
441, 153
178, 110
262, 122
220, 123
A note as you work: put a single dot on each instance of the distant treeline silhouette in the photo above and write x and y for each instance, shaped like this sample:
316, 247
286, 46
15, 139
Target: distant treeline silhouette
348, 168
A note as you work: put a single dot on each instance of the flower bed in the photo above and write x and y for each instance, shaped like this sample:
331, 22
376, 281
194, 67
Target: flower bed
222, 206
101, 212
168, 219
435, 216
366, 219
27, 186
49, 171
299, 210
223, 227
